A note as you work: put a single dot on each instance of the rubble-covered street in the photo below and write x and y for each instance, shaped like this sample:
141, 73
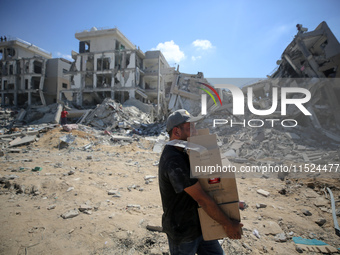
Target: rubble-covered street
96, 196
91, 186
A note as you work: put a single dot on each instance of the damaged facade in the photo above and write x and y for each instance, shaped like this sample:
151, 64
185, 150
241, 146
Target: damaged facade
28, 74
108, 65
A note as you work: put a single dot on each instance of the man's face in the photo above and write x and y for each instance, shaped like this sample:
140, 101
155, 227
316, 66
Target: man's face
185, 130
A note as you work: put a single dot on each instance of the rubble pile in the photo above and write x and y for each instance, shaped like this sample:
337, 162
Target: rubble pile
5, 118
185, 92
125, 119
311, 62
110, 115
264, 145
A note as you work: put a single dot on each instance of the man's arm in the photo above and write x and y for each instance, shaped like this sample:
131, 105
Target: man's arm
231, 227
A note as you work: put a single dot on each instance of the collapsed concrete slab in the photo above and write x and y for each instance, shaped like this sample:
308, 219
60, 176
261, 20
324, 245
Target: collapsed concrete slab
110, 115
312, 62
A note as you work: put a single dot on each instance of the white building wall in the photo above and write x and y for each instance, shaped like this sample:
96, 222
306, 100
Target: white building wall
132, 63
98, 44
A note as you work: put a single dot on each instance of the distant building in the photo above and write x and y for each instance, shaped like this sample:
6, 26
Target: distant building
57, 80
26, 76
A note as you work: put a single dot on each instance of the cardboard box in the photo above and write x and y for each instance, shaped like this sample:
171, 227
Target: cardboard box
221, 187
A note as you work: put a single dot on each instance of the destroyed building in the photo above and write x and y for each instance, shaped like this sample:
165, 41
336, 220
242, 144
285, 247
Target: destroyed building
29, 75
108, 65
311, 61
311, 54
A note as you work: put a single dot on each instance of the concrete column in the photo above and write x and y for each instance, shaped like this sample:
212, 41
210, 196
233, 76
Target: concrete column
95, 57
112, 80
94, 80
29, 82
113, 62
58, 113
79, 98
2, 94
158, 85
22, 82
132, 93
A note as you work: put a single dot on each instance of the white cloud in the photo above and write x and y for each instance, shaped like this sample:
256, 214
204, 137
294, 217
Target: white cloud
202, 44
193, 58
68, 57
171, 51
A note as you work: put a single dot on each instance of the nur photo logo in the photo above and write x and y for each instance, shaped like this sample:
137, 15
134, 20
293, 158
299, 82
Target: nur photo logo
204, 97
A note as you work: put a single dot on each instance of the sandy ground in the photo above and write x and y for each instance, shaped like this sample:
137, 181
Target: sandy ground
32, 205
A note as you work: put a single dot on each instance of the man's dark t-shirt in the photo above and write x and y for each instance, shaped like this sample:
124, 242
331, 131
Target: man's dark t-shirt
180, 217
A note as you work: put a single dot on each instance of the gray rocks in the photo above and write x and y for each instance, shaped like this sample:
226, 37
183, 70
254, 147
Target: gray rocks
320, 221
51, 207
114, 193
84, 208
280, 238
261, 205
263, 192
306, 212
70, 214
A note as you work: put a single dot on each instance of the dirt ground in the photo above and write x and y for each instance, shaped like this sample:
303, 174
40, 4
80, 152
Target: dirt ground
116, 222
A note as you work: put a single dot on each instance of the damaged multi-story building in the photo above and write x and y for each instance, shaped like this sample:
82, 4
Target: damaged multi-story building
28, 74
109, 65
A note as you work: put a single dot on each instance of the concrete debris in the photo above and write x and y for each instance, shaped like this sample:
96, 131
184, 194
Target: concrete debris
21, 141
320, 221
70, 127
67, 139
263, 192
277, 147
114, 193
70, 214
85, 207
281, 237
109, 114
261, 205
51, 207
306, 212
311, 61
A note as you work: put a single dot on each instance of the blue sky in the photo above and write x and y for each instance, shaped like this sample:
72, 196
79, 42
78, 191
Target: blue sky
232, 39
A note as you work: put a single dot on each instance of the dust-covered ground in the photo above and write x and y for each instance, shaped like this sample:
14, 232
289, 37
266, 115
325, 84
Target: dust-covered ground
112, 195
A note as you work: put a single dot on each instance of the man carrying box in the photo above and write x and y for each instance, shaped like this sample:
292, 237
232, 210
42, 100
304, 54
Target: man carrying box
181, 196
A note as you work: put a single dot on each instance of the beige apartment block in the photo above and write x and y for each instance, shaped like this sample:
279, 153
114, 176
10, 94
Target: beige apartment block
56, 80
28, 74
109, 65
22, 72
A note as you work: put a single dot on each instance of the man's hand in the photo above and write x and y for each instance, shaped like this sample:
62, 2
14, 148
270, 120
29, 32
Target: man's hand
233, 230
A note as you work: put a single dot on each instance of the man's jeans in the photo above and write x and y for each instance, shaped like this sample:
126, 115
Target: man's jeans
198, 246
